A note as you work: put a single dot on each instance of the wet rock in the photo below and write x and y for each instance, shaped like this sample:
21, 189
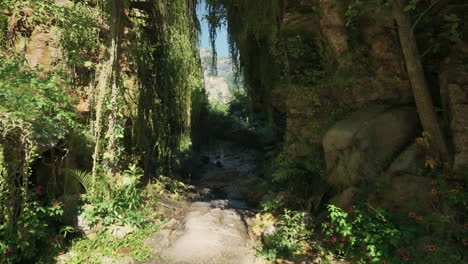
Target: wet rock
222, 204
237, 204
200, 205
171, 224
160, 240
219, 164
346, 198
232, 192
82, 225
361, 144
267, 233
121, 231
410, 161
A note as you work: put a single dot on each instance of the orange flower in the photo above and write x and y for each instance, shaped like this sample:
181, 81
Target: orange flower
431, 248
412, 214
434, 191
384, 262
434, 182
419, 217
405, 258
341, 245
61, 252
455, 191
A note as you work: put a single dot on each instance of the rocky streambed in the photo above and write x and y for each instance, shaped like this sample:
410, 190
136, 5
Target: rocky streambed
214, 226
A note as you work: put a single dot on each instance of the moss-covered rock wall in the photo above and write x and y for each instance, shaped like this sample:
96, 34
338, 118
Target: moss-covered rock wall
312, 63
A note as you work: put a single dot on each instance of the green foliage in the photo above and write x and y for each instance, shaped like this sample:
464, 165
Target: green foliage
365, 232
373, 235
171, 86
300, 176
79, 38
237, 116
36, 231
452, 28
412, 4
35, 112
36, 98
290, 237
122, 206
167, 186
3, 31
92, 250
262, 57
305, 63
85, 178
44, 11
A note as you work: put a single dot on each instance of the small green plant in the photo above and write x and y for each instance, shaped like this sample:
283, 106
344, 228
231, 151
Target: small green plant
290, 237
367, 234
123, 206
166, 185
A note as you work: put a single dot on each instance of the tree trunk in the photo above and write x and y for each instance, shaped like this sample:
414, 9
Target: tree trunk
418, 81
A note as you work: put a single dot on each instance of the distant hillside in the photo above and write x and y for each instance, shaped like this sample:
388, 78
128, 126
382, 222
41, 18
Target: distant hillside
219, 87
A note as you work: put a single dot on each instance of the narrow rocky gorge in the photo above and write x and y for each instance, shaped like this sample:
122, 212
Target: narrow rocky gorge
339, 135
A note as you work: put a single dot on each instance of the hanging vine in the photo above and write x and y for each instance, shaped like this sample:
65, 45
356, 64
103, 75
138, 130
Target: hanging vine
171, 83
255, 47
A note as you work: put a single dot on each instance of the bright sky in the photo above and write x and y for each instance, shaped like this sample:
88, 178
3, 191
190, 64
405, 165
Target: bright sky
222, 46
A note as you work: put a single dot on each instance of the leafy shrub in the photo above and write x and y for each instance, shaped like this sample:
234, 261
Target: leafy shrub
291, 235
123, 206
373, 235
38, 225
36, 98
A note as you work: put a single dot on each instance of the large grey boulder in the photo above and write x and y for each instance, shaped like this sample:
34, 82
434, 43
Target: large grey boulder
410, 161
365, 142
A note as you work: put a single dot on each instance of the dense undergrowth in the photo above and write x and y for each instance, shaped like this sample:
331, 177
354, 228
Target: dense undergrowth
124, 206
90, 109
371, 232
140, 80
34, 112
238, 121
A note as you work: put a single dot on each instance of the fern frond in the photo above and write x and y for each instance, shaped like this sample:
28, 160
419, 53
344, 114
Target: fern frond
84, 177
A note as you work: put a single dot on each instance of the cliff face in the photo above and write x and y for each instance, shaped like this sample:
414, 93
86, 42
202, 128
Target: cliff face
336, 69
121, 84
453, 83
